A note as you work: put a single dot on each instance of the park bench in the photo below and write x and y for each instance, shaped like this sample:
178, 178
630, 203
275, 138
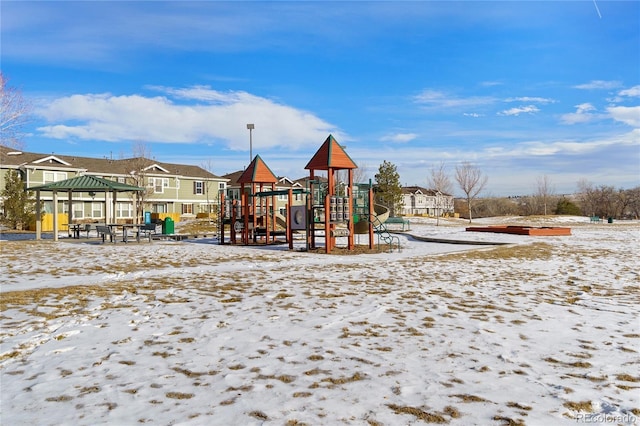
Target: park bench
399, 221
103, 231
595, 219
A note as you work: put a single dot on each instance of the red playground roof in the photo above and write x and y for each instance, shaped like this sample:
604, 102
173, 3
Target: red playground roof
258, 172
330, 156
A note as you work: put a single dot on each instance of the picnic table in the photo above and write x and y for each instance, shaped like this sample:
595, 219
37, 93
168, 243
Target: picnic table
133, 227
130, 229
74, 230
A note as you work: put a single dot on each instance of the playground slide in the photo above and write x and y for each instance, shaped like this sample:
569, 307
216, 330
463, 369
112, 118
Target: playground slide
381, 214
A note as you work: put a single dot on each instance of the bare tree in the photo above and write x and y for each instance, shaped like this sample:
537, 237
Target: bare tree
604, 200
588, 199
471, 182
14, 114
544, 191
138, 175
440, 182
528, 205
360, 174
208, 166
633, 195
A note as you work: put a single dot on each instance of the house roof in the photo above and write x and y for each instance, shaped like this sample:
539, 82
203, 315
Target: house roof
87, 183
100, 166
257, 172
284, 181
330, 156
233, 177
420, 190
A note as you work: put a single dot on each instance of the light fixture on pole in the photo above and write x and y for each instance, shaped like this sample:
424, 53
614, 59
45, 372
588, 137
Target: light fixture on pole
250, 127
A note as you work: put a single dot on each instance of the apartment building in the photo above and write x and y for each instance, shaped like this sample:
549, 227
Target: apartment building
418, 201
177, 189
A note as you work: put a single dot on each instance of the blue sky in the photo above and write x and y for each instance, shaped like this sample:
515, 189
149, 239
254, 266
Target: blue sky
521, 89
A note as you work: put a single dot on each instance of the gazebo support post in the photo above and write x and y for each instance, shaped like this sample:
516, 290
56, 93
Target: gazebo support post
70, 213
113, 207
55, 215
38, 216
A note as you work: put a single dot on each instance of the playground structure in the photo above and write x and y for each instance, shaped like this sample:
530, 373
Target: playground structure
522, 230
330, 208
252, 215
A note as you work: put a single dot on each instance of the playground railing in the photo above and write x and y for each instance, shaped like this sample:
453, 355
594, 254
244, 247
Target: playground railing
383, 234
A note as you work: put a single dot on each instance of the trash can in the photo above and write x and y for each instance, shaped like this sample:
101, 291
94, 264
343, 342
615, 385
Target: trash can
610, 220
167, 226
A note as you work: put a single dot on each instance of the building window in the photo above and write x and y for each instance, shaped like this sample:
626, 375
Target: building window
124, 210
159, 208
221, 185
198, 187
78, 210
158, 184
187, 208
97, 210
234, 194
48, 207
54, 176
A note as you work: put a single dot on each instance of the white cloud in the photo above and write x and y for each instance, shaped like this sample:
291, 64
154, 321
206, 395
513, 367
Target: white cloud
565, 147
631, 92
530, 109
583, 108
530, 99
627, 115
582, 114
210, 115
439, 99
598, 84
399, 137
472, 114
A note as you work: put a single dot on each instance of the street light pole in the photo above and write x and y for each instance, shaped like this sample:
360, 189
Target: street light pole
250, 127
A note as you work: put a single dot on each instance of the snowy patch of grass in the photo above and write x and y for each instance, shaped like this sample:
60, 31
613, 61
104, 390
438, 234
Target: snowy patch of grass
418, 413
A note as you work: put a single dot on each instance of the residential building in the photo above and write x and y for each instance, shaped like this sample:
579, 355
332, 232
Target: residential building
418, 201
181, 190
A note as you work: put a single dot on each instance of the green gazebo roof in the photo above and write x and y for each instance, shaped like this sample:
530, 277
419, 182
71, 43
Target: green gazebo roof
87, 183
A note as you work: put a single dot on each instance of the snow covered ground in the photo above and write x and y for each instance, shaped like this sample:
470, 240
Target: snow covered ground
544, 331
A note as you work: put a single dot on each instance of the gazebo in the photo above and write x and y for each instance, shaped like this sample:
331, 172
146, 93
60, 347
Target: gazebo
85, 183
